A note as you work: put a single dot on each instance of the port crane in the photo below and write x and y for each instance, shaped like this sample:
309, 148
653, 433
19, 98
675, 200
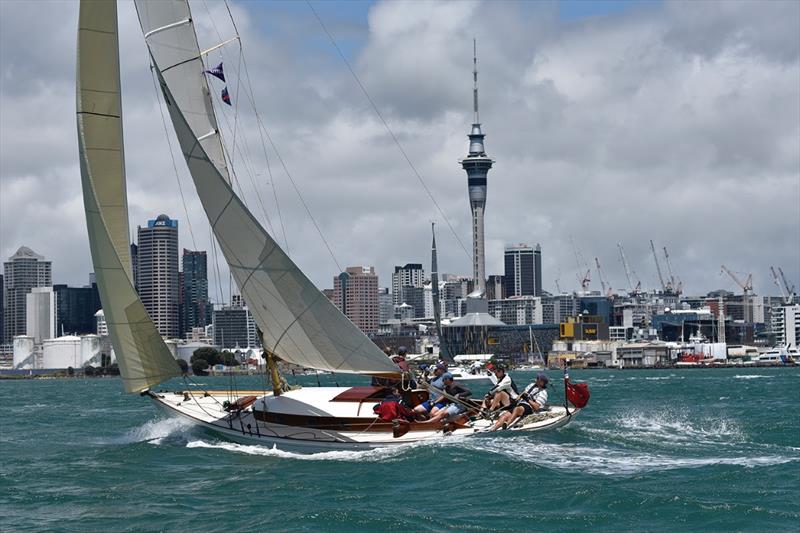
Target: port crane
747, 289
629, 273
677, 284
666, 287
603, 282
787, 292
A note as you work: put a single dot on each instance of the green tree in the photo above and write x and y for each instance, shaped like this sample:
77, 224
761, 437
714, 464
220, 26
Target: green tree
228, 359
88, 371
199, 366
184, 366
208, 354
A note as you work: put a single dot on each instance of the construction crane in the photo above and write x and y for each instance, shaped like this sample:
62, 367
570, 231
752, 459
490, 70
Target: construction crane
603, 282
658, 268
629, 273
747, 289
787, 292
587, 277
676, 283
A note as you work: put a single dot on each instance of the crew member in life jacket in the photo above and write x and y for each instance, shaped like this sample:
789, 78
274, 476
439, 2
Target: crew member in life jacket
454, 410
435, 402
504, 392
532, 399
392, 408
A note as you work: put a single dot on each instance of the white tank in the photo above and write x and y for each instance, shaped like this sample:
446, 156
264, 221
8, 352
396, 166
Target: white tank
186, 350
24, 352
61, 352
90, 350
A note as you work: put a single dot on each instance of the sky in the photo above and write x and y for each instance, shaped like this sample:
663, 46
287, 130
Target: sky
608, 122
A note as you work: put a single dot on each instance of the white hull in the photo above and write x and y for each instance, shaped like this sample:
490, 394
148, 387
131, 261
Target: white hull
315, 403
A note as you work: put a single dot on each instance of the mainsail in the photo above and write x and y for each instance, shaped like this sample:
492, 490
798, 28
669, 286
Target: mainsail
298, 322
144, 360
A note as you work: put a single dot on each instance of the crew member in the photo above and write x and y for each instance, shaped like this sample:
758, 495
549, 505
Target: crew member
532, 399
504, 392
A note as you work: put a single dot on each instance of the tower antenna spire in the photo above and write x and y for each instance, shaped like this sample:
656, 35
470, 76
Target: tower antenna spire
475, 78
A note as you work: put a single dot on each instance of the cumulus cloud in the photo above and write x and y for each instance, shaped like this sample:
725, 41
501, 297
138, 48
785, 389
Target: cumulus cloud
678, 122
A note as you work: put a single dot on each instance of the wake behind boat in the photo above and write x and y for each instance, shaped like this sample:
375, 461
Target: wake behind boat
297, 323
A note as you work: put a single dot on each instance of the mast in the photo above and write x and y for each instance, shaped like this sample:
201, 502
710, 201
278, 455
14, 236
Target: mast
437, 311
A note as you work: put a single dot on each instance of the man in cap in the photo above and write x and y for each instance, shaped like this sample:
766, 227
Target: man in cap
504, 392
435, 401
453, 410
532, 399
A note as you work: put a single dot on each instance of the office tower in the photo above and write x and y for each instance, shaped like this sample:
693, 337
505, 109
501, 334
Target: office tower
355, 293
76, 308
404, 279
158, 273
22, 272
385, 306
196, 307
234, 327
523, 275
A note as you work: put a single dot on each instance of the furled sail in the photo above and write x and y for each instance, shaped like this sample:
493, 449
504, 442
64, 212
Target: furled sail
169, 31
298, 322
144, 360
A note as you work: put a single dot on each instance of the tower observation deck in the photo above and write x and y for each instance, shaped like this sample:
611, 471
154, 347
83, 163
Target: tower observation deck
477, 165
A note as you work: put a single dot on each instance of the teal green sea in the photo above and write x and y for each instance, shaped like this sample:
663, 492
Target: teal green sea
666, 450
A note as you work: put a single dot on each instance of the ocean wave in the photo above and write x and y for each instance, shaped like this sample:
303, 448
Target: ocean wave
670, 427
611, 462
155, 431
749, 376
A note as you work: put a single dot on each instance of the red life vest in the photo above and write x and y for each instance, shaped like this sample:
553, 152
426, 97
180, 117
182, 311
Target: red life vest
391, 410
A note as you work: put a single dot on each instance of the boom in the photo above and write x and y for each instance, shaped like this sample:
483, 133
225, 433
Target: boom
658, 267
629, 274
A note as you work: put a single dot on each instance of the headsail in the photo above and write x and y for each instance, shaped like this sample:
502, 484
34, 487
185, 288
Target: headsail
299, 324
143, 358
169, 31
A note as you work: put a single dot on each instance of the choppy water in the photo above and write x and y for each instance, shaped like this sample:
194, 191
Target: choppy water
711, 450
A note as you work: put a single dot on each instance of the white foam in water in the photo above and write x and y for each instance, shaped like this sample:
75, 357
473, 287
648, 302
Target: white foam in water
607, 461
377, 454
155, 431
749, 376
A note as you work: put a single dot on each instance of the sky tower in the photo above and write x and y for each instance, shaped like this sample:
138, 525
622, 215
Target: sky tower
477, 165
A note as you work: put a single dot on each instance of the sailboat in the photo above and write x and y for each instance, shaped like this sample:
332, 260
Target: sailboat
297, 323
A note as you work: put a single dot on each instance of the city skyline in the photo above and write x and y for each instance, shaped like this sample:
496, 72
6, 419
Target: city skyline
561, 169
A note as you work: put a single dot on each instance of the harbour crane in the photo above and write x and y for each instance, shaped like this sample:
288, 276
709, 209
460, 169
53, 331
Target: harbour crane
787, 292
629, 273
603, 282
677, 285
747, 289
658, 268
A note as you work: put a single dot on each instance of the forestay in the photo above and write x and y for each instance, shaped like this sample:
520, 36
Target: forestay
144, 360
169, 32
299, 324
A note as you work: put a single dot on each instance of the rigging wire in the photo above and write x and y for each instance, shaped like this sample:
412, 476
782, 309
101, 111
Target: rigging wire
388, 129
172, 156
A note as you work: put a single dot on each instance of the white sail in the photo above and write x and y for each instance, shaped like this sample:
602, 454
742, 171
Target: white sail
144, 360
299, 324
169, 32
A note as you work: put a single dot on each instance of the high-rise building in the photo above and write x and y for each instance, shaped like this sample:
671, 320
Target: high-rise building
523, 276
385, 306
75, 309
135, 266
2, 308
495, 289
22, 272
234, 327
40, 314
158, 273
355, 293
786, 325
196, 307
477, 165
408, 275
